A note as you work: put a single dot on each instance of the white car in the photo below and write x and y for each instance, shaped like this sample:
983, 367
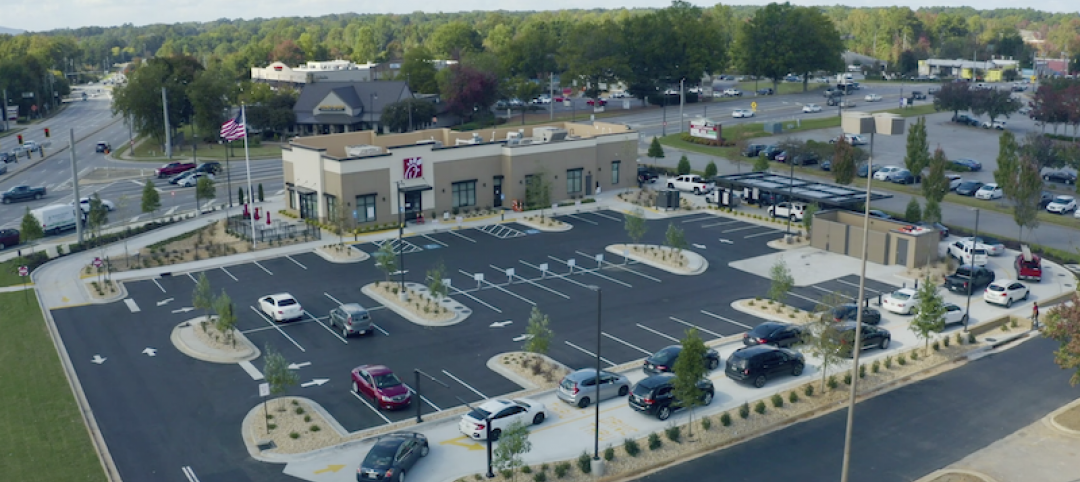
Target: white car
884, 173
1005, 292
84, 203
501, 413
954, 181
872, 98
281, 307
732, 93
954, 314
542, 99
968, 253
811, 108
740, 113
999, 125
193, 179
989, 191
1062, 204
992, 246
901, 301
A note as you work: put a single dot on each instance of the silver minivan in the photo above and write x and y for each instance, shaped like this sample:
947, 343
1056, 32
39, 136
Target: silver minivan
351, 318
579, 388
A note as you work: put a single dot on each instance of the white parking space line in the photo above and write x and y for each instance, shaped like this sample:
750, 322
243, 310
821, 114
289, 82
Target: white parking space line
193, 280
729, 320
462, 236
613, 218
228, 273
189, 473
697, 220
295, 261
631, 345
335, 300
691, 325
500, 288
594, 273
171, 210
538, 285
725, 223
478, 300
278, 328
433, 240
373, 409
332, 332
559, 276
622, 268
466, 385
253, 372
841, 293
131, 305
264, 328
263, 268
158, 285
853, 285
804, 297
579, 218
752, 226
436, 407
766, 233
657, 333
591, 354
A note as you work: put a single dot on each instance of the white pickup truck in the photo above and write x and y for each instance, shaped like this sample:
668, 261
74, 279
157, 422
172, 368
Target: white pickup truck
690, 183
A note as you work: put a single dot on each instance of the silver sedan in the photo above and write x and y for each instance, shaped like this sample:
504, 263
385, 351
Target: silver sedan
579, 388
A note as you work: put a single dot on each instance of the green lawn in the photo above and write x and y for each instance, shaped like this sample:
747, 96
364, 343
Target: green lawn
9, 272
44, 437
146, 150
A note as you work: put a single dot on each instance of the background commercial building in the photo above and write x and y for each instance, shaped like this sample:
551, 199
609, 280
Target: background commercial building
364, 178
336, 107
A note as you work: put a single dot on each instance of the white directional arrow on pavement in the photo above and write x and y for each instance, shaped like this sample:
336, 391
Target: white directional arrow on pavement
183, 310
726, 241
164, 302
699, 246
294, 366
315, 382
522, 337
150, 351
500, 324
98, 359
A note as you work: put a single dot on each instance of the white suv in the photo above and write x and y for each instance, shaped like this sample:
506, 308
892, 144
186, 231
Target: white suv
795, 211
968, 253
1005, 292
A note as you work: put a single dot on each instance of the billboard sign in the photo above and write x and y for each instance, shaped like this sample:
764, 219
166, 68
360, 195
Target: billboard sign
705, 128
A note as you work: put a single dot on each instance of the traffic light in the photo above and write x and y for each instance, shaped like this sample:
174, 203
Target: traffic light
47, 132
20, 139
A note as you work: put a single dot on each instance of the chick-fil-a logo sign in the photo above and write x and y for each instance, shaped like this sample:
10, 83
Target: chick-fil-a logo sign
414, 168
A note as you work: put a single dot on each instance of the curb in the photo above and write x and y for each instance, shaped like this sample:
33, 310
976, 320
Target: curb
692, 259
459, 314
121, 293
494, 365
203, 352
563, 227
735, 305
251, 440
939, 473
322, 254
1050, 421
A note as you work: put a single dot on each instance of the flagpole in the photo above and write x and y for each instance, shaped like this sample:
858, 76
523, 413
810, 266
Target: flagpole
247, 163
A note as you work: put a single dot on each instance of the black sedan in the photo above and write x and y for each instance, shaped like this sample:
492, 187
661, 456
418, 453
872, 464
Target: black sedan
774, 333
968, 188
1063, 177
392, 456
849, 312
664, 360
766, 91
771, 152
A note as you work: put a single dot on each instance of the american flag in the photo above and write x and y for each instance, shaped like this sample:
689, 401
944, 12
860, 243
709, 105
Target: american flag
233, 129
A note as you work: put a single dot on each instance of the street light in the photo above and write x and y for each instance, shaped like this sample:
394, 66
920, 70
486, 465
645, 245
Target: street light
974, 244
401, 234
597, 462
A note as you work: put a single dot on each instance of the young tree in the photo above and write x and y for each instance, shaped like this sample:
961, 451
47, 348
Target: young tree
935, 184
386, 258
1027, 196
513, 443
1008, 164
277, 373
761, 164
843, 165
151, 200
436, 285
202, 298
782, 281
226, 319
635, 225
340, 223
710, 170
930, 311
689, 370
98, 216
918, 151
30, 229
913, 213
675, 238
932, 211
683, 166
656, 151
261, 198
539, 332
1063, 326
820, 339
204, 189
808, 217
240, 195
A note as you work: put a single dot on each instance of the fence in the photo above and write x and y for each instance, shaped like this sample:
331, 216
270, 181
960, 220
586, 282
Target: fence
277, 231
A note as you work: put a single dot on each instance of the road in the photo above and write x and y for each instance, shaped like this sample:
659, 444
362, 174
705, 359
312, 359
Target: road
907, 433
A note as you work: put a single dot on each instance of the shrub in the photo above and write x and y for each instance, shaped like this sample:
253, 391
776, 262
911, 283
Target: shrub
506, 473
543, 467
1014, 323
315, 428
936, 346
654, 441
808, 390
832, 383
959, 339
862, 371
540, 477
294, 435
725, 419
584, 463
527, 469
673, 433
971, 338
914, 355
777, 400
706, 423
888, 361
561, 469
901, 359
847, 378
945, 342
271, 426
793, 397
307, 418
759, 407
744, 410
631, 447
876, 367
609, 454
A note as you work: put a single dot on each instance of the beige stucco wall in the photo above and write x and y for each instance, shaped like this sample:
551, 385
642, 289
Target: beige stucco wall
832, 228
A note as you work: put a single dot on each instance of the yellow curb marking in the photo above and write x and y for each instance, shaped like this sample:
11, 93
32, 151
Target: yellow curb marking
460, 442
330, 468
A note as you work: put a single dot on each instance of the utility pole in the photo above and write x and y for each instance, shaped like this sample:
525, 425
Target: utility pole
682, 101
168, 133
75, 186
7, 122
551, 95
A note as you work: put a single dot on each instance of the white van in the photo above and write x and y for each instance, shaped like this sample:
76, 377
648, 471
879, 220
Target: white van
56, 218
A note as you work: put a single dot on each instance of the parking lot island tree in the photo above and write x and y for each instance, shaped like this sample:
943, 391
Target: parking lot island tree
994, 103
675, 238
340, 222
539, 333
98, 216
435, 277
781, 281
689, 370
684, 166
1008, 163
1027, 196
843, 165
202, 297
1063, 326
953, 96
204, 190
513, 444
226, 316
635, 225
30, 229
277, 373
808, 217
917, 156
819, 338
151, 200
930, 311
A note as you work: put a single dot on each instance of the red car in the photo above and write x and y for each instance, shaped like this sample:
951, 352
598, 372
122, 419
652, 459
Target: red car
599, 102
560, 98
381, 385
174, 168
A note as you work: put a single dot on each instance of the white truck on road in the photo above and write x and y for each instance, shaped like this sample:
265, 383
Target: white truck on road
690, 183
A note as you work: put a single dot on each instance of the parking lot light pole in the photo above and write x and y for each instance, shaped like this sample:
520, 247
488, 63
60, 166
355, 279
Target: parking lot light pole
790, 158
401, 236
974, 244
597, 463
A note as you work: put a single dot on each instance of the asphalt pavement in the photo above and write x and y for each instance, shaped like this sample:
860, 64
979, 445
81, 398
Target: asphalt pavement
904, 434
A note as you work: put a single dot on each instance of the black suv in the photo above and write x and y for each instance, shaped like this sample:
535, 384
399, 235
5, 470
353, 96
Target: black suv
770, 152
977, 276
871, 336
209, 167
773, 333
917, 95
663, 361
850, 311
655, 395
646, 174
752, 150
757, 364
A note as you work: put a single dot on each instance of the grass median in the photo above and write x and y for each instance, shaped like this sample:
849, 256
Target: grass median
44, 438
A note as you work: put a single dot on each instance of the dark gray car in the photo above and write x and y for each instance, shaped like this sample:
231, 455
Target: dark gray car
579, 388
351, 318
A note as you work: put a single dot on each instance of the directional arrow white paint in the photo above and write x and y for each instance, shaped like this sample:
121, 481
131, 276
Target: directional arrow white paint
150, 351
98, 359
294, 366
699, 246
500, 324
164, 302
522, 337
726, 241
315, 382
183, 310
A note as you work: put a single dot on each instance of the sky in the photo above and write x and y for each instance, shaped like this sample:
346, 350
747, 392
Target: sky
39, 15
